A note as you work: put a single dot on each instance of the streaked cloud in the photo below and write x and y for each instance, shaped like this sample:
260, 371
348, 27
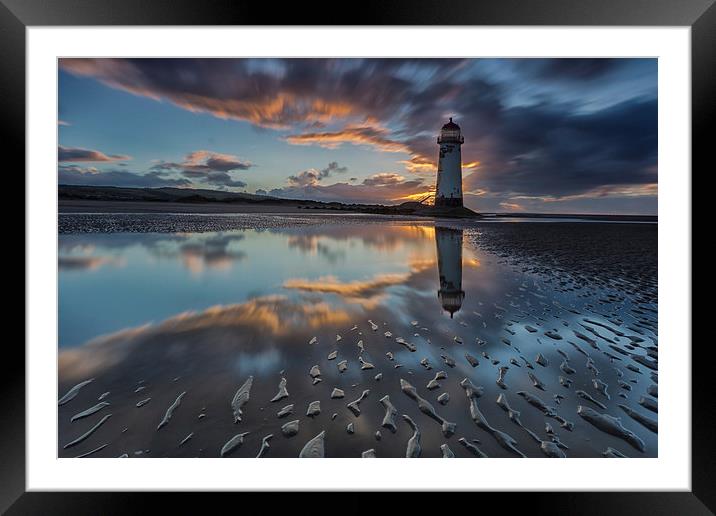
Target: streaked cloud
331, 284
553, 130
92, 176
420, 164
585, 155
78, 155
292, 91
376, 137
512, 206
367, 293
384, 187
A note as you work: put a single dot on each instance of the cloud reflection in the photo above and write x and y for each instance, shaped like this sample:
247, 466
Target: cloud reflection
87, 263
248, 327
287, 318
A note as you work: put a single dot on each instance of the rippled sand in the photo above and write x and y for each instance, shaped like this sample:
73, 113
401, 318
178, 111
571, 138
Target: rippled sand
495, 340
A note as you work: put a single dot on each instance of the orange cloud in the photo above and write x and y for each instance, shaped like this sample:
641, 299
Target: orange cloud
359, 288
479, 192
419, 164
270, 316
264, 108
267, 107
427, 198
383, 179
374, 136
511, 206
331, 284
275, 112
274, 314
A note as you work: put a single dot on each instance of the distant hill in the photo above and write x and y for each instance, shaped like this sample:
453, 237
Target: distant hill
114, 194
224, 201
164, 194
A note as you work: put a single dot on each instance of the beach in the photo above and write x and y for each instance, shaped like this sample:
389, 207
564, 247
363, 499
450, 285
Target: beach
87, 206
208, 334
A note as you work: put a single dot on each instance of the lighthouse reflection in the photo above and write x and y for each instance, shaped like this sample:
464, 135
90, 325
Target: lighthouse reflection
449, 248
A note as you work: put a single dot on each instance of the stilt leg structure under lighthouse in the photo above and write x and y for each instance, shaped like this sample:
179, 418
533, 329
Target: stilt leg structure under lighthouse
448, 192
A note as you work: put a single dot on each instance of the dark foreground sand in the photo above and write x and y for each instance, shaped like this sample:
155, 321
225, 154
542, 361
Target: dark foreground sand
560, 361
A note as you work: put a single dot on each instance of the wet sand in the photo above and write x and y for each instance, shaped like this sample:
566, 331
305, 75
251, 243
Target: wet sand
85, 206
552, 351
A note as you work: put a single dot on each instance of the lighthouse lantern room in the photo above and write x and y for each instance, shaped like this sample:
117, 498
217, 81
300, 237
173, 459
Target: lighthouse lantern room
449, 183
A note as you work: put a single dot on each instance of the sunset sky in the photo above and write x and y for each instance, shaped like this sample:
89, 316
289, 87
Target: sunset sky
541, 135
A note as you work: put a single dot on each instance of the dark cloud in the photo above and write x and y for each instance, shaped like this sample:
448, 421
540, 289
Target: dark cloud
271, 93
203, 161
533, 125
544, 151
214, 252
221, 179
384, 188
572, 69
77, 155
74, 175
634, 200
86, 263
207, 167
312, 176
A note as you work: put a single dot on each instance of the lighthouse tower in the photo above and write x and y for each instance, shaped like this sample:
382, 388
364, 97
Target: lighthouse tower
449, 244
449, 184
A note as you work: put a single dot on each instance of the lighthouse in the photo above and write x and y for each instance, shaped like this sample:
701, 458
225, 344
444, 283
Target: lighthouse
449, 184
449, 247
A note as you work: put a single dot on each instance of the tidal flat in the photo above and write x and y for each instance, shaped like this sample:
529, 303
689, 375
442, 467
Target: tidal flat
355, 336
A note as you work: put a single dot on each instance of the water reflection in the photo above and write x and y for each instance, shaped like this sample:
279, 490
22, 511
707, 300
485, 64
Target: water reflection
449, 247
250, 302
141, 278
86, 263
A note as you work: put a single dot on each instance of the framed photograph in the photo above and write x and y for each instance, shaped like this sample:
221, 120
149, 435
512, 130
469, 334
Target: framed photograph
431, 231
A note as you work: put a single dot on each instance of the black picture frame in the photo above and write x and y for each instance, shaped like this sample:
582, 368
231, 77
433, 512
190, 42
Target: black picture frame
699, 15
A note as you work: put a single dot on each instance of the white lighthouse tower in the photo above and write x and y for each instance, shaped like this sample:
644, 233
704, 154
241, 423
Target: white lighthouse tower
449, 184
